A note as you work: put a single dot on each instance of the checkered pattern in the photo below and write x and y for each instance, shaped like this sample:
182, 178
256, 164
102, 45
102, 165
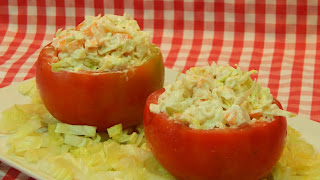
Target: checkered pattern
279, 38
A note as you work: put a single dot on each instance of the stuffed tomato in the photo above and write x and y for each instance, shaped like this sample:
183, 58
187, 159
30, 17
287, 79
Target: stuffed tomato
215, 123
100, 73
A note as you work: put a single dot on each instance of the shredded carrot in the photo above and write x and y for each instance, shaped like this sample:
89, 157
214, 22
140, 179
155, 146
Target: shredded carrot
76, 44
233, 120
93, 42
63, 35
126, 36
129, 36
210, 97
88, 31
199, 85
61, 44
80, 25
256, 115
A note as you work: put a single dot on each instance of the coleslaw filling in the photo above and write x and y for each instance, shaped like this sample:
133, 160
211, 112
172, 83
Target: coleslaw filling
102, 43
217, 97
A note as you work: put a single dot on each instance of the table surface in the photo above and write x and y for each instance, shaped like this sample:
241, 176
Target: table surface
279, 39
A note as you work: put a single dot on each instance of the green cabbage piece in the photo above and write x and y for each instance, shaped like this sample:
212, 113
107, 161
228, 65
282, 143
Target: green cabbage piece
89, 131
74, 140
115, 130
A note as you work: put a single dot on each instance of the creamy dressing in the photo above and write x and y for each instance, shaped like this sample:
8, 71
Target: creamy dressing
217, 97
102, 44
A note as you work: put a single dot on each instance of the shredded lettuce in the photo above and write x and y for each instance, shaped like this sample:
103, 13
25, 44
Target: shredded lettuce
74, 140
58, 168
89, 131
30, 89
115, 130
29, 127
13, 118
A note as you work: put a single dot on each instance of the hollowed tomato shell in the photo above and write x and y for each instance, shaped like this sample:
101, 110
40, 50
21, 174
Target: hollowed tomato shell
100, 99
245, 153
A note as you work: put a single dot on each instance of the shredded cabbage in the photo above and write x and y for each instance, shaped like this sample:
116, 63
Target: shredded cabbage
102, 43
217, 97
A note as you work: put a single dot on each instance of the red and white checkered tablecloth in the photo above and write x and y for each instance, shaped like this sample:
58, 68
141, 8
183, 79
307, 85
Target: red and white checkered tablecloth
279, 38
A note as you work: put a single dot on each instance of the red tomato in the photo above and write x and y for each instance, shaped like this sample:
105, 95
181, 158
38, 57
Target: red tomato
245, 153
100, 99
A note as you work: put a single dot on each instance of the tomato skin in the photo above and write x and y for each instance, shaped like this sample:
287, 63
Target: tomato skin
248, 152
100, 99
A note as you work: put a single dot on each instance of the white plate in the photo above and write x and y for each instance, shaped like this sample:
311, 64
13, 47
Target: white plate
310, 130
